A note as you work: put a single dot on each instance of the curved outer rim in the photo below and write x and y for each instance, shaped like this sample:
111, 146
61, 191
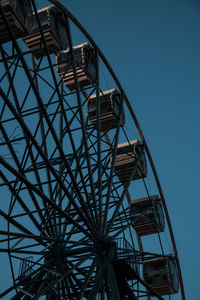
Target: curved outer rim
82, 29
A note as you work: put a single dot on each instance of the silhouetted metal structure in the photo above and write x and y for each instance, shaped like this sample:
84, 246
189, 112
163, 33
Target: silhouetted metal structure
68, 166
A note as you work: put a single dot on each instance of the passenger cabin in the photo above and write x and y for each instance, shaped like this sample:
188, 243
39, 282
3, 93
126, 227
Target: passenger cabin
147, 215
127, 153
85, 65
16, 13
53, 26
160, 273
110, 107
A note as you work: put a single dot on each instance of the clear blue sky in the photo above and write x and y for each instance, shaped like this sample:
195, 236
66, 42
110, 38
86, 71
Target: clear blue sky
154, 48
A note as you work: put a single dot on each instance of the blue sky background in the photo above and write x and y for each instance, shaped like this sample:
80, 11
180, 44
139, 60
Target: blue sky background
154, 48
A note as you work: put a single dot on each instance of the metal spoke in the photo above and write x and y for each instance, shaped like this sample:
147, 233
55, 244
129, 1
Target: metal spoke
84, 134
49, 201
126, 185
84, 287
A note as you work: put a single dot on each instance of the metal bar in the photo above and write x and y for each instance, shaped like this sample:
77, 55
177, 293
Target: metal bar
114, 154
49, 201
42, 130
89, 274
65, 275
27, 131
113, 282
90, 216
18, 225
28, 236
126, 185
47, 120
84, 132
7, 139
148, 287
20, 251
100, 274
98, 129
21, 202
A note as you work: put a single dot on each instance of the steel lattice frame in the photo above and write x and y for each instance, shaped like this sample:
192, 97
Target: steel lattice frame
66, 215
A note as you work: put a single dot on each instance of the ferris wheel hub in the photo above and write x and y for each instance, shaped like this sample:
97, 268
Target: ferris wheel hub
103, 246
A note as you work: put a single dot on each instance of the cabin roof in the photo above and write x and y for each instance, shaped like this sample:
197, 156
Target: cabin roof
104, 93
153, 197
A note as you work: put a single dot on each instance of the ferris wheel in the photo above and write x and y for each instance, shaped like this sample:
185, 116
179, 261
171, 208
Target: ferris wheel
82, 211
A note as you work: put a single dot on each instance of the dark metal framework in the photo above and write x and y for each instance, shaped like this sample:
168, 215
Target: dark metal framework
66, 228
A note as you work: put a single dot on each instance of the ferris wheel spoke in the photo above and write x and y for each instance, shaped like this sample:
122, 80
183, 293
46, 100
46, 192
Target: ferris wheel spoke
42, 131
39, 184
36, 75
14, 64
52, 72
87, 280
44, 139
75, 278
19, 251
77, 161
113, 282
95, 164
68, 129
9, 143
122, 220
49, 201
21, 122
98, 108
101, 269
34, 159
11, 78
48, 129
125, 189
18, 225
30, 192
105, 160
64, 276
104, 167
16, 235
72, 286
77, 190
7, 291
83, 129
41, 105
20, 201
45, 279
16, 197
114, 153
122, 229
70, 232
34, 284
